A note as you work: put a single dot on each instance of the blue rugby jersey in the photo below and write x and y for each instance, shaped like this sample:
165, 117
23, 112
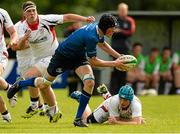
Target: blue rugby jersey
81, 43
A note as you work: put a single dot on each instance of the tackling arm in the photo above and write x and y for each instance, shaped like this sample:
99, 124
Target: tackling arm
75, 18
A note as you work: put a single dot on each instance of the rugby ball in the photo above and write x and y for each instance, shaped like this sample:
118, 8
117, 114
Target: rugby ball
128, 60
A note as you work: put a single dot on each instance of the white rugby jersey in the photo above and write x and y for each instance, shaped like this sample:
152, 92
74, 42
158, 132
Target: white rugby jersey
43, 41
5, 22
22, 54
112, 105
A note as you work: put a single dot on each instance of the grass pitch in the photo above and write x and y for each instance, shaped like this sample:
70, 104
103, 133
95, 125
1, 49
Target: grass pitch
162, 115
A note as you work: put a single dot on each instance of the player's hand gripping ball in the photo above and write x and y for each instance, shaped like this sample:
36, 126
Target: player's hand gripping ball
129, 60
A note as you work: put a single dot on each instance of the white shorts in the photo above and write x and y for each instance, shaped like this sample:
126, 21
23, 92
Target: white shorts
101, 114
24, 64
4, 59
42, 64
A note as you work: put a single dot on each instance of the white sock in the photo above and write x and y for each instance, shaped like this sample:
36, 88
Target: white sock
140, 87
7, 116
178, 91
46, 106
34, 104
168, 86
106, 95
53, 110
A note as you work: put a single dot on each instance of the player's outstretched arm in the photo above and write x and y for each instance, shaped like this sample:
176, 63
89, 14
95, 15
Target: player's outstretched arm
108, 49
75, 18
134, 121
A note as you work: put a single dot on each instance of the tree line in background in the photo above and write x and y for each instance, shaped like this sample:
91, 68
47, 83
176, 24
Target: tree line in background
87, 7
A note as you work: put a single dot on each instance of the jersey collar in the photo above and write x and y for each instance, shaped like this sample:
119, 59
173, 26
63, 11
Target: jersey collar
33, 26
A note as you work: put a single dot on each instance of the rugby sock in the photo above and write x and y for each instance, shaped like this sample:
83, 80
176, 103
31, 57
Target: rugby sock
84, 99
140, 87
168, 86
34, 103
53, 110
6, 115
28, 82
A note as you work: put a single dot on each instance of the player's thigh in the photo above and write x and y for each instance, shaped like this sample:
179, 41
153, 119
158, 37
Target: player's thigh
3, 63
84, 69
155, 77
131, 75
140, 75
101, 114
24, 64
32, 72
42, 64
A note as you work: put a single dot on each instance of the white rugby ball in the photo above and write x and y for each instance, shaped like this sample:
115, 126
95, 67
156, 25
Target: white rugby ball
128, 60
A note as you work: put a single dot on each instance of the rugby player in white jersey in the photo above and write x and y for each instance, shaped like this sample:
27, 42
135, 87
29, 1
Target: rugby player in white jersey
5, 22
24, 59
38, 31
124, 108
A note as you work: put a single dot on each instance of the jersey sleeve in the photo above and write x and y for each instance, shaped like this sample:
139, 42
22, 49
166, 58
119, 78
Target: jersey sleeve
7, 20
53, 19
19, 29
136, 109
175, 58
91, 49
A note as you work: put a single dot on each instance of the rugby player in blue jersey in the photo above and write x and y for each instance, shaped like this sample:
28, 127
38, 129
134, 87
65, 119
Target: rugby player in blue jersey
77, 52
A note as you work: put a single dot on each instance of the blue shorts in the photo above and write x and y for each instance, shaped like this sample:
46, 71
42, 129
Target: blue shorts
60, 63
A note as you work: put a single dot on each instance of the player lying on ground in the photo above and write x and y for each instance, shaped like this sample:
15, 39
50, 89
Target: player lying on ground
124, 108
116, 109
75, 53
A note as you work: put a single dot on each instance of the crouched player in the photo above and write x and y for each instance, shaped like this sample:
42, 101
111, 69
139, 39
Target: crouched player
123, 108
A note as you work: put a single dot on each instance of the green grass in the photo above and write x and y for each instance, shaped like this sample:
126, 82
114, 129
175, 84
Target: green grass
162, 114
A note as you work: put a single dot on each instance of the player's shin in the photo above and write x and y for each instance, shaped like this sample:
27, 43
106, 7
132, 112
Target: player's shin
85, 97
27, 82
34, 93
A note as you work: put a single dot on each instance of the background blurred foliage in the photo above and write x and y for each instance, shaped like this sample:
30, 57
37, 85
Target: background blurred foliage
86, 7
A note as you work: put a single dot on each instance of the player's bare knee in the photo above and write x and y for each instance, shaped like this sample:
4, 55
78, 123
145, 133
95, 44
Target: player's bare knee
88, 80
43, 83
89, 84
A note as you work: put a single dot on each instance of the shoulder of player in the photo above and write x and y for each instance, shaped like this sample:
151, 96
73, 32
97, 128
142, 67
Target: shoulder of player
3, 11
91, 32
18, 23
136, 101
114, 99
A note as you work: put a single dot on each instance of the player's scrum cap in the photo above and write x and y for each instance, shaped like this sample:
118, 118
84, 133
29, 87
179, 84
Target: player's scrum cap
28, 5
126, 92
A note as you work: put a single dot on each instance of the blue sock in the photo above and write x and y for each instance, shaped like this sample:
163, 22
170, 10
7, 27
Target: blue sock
28, 82
84, 99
